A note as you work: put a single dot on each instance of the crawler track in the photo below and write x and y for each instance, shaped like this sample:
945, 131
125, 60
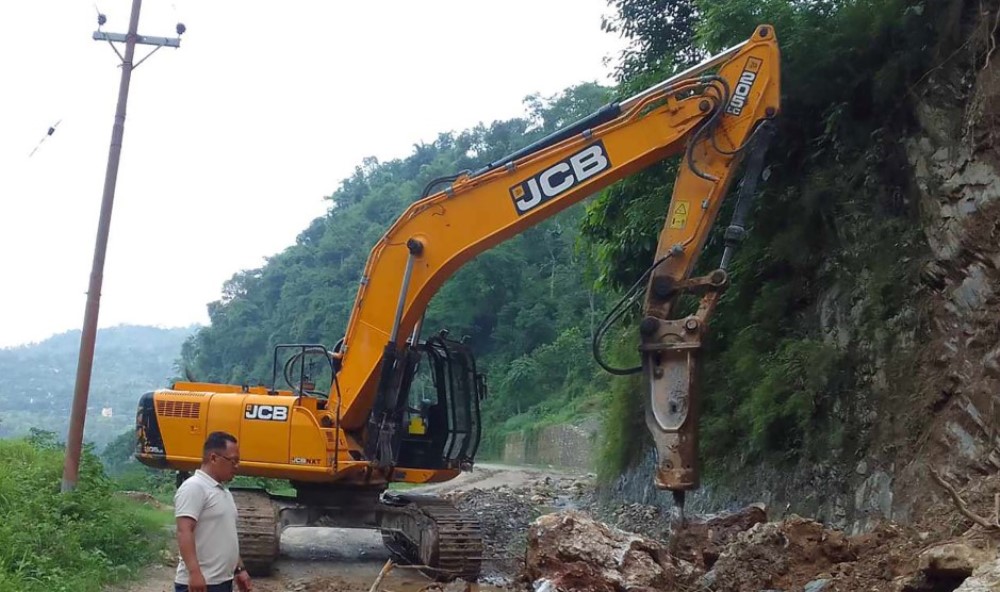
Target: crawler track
429, 531
257, 527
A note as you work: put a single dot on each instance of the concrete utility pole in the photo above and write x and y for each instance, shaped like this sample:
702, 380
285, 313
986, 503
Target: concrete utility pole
74, 440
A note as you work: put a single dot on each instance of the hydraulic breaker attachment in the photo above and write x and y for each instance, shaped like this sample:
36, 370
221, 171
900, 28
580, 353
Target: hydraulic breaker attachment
670, 348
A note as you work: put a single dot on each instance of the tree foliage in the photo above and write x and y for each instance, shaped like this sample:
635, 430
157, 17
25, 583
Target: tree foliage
661, 32
524, 304
836, 210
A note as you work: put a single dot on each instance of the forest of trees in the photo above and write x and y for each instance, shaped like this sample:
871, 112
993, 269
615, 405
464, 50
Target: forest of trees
525, 305
37, 390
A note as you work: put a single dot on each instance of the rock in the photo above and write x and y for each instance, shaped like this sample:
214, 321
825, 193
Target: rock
974, 290
707, 581
701, 541
777, 554
816, 585
642, 519
985, 578
576, 553
951, 560
874, 495
862, 468
990, 363
458, 585
168, 557
934, 275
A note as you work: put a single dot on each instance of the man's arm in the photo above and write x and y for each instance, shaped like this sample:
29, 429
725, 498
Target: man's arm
242, 577
185, 543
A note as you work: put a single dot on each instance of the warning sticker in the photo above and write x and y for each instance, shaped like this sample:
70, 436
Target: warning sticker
680, 217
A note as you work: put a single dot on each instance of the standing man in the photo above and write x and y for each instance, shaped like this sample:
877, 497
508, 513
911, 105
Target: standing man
206, 523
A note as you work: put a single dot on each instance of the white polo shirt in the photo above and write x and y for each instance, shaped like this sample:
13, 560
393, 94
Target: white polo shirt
216, 543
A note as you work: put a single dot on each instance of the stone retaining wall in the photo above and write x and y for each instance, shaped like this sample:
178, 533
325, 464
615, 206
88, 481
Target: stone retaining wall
563, 445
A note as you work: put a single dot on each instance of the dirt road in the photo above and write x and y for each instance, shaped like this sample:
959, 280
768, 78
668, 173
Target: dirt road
345, 560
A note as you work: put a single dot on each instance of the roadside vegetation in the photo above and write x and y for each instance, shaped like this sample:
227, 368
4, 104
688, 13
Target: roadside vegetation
74, 542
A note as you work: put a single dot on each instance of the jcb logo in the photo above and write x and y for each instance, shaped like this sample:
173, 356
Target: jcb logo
266, 412
742, 92
559, 178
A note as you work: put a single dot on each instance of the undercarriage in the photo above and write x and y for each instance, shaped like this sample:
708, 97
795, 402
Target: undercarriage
420, 530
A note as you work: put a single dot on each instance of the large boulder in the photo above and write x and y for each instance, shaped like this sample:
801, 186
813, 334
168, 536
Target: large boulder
571, 552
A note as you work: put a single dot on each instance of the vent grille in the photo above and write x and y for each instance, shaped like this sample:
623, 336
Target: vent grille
186, 409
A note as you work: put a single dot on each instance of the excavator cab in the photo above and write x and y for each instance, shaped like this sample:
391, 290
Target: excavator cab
440, 389
442, 417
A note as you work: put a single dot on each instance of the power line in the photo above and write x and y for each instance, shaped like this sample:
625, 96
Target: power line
52, 130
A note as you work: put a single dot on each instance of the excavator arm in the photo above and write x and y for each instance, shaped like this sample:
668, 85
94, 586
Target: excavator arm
714, 114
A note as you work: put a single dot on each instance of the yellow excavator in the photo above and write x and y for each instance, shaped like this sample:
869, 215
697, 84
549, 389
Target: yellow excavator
405, 408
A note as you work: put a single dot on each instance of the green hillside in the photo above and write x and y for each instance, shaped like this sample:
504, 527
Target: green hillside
37, 390
529, 306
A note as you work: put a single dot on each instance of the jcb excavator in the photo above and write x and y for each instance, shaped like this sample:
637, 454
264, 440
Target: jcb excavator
382, 422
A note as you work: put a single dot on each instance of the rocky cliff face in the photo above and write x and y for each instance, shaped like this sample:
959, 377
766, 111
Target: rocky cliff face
955, 166
927, 376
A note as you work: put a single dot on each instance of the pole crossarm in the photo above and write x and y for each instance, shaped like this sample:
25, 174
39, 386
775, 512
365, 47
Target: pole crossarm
139, 39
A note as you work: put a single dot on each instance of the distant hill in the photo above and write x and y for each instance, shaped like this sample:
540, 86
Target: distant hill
38, 379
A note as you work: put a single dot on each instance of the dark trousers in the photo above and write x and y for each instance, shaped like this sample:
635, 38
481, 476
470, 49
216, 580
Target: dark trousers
223, 587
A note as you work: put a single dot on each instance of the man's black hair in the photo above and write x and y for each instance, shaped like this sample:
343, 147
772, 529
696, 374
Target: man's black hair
216, 442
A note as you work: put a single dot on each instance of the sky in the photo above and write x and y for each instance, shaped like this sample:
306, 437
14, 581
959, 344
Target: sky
233, 140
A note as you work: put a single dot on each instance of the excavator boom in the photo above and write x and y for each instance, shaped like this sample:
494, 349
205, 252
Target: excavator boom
710, 113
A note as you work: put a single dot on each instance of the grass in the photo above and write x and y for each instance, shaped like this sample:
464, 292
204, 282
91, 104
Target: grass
74, 542
162, 517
